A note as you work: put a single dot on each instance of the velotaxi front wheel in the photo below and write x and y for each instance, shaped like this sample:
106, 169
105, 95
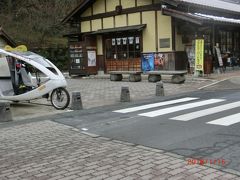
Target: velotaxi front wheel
60, 98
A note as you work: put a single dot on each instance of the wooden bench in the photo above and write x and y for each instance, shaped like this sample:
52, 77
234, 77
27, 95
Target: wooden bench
134, 76
178, 77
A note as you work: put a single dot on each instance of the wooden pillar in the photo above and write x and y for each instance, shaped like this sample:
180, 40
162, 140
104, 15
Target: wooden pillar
213, 38
173, 34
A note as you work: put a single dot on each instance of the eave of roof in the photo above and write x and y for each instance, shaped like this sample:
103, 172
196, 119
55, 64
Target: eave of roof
200, 19
182, 15
76, 34
209, 4
218, 19
213, 4
6, 37
82, 6
121, 29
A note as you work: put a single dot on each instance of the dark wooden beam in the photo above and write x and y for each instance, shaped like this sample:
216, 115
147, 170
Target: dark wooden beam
154, 7
141, 17
156, 31
105, 3
102, 22
173, 22
213, 41
114, 21
91, 26
91, 10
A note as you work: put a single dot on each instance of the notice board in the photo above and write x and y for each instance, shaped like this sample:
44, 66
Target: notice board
218, 52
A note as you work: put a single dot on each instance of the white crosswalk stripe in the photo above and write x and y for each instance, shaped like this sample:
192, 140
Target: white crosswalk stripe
194, 115
205, 112
226, 121
180, 107
148, 106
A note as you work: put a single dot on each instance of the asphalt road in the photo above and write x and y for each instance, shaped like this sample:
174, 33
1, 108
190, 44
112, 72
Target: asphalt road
211, 132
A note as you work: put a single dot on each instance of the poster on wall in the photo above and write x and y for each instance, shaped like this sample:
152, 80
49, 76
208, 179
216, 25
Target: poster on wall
130, 40
124, 41
137, 40
190, 50
113, 42
160, 60
91, 58
147, 62
119, 41
77, 61
199, 54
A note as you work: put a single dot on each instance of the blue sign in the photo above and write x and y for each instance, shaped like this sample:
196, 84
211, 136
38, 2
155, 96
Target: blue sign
147, 62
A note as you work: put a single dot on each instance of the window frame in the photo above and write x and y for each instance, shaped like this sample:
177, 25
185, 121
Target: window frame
122, 51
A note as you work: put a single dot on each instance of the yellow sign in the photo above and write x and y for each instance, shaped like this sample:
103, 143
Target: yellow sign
21, 48
199, 54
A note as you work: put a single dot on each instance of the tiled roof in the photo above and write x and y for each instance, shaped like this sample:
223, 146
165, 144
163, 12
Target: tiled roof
219, 4
199, 18
218, 19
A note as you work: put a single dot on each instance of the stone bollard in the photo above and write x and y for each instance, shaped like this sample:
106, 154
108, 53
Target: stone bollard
125, 94
135, 77
159, 89
76, 101
5, 112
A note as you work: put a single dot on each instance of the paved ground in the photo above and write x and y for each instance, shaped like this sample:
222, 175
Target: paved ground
100, 91
45, 149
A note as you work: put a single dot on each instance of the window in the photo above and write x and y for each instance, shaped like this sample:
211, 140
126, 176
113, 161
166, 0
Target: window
236, 44
124, 47
164, 43
207, 44
226, 41
109, 49
229, 41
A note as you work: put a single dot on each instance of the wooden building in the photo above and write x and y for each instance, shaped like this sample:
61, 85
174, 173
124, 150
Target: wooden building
147, 35
5, 39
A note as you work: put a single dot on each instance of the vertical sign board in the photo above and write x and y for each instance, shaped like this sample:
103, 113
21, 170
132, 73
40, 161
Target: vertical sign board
220, 61
199, 54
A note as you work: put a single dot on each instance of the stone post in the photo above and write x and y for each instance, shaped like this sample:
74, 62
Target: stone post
76, 101
5, 112
159, 89
125, 94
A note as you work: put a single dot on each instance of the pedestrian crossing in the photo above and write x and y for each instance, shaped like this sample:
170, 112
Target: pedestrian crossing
139, 108
226, 121
180, 108
205, 112
189, 104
